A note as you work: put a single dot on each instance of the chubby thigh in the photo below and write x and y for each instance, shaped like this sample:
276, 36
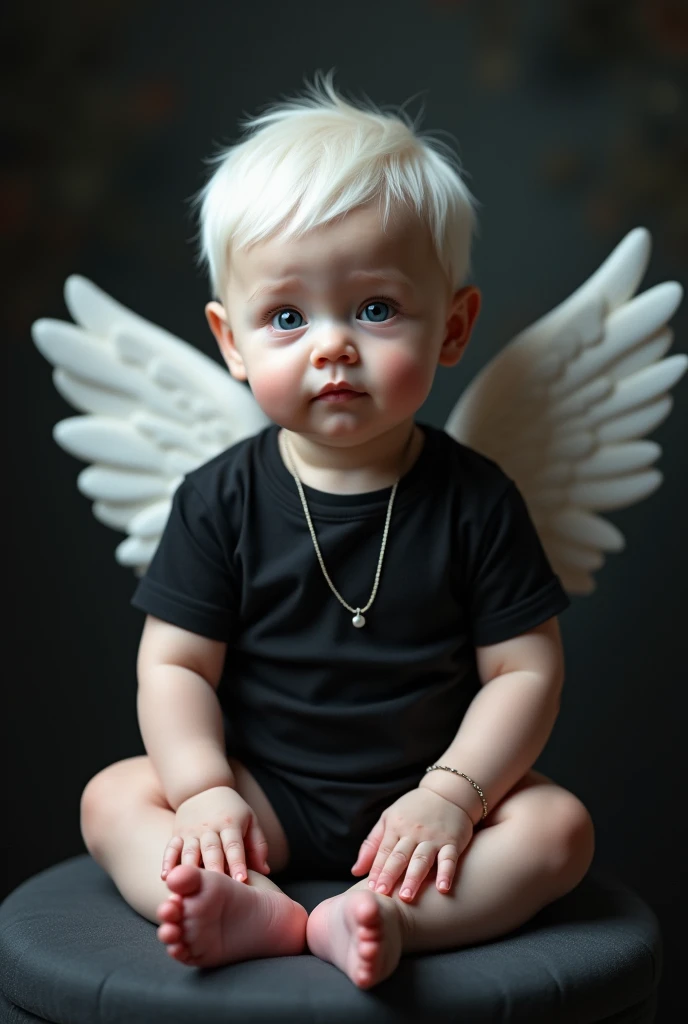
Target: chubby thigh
118, 790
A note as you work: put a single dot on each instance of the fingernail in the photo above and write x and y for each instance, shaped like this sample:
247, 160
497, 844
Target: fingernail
239, 877
406, 892
444, 885
371, 884
381, 888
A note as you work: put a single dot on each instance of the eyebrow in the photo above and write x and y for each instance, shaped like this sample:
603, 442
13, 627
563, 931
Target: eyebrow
289, 284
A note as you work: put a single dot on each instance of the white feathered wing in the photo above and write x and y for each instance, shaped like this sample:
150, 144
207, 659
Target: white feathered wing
565, 407
155, 407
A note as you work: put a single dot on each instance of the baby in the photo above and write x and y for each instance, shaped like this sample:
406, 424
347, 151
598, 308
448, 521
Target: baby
351, 657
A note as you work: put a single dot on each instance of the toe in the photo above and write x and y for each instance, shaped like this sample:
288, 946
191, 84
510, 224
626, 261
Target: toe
368, 950
169, 933
367, 910
185, 879
178, 951
169, 912
364, 979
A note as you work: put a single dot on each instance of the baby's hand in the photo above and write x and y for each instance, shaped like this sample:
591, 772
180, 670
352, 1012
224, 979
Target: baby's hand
418, 827
213, 827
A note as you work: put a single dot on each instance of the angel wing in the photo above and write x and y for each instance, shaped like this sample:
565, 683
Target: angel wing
565, 407
155, 409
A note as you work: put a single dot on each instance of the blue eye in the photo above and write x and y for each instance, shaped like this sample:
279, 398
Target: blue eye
285, 319
379, 309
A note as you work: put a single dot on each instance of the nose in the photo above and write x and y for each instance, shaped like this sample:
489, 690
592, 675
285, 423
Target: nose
333, 344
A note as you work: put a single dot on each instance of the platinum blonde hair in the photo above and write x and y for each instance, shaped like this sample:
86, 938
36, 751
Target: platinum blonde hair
311, 159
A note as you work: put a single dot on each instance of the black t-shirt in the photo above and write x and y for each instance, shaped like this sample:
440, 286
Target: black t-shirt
303, 689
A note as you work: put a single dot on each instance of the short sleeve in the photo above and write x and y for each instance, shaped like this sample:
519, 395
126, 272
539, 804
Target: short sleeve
512, 587
190, 581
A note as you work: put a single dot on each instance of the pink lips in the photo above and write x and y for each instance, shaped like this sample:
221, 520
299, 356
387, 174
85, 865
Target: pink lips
335, 392
345, 395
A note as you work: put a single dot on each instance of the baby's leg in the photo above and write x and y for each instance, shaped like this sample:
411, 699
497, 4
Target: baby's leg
208, 918
538, 846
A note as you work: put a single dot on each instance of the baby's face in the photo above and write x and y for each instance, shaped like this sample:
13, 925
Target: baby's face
345, 302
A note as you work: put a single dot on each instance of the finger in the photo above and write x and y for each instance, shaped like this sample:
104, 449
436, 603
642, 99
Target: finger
257, 847
191, 854
212, 854
447, 859
233, 845
387, 844
395, 865
369, 848
170, 857
419, 865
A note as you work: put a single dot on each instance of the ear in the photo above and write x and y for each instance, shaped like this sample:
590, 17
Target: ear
217, 321
463, 313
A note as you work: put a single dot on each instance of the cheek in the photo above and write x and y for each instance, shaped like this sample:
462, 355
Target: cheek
274, 388
405, 376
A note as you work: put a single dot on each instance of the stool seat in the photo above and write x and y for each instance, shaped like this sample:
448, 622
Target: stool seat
73, 952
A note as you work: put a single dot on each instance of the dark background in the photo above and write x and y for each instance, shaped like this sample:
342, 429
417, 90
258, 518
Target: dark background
571, 120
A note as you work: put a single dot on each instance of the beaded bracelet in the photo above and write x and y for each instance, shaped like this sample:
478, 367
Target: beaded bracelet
475, 785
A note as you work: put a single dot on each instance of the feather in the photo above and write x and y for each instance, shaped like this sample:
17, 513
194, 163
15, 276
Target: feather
565, 409
154, 409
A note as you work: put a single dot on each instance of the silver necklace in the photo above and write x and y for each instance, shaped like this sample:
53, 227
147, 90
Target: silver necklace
358, 619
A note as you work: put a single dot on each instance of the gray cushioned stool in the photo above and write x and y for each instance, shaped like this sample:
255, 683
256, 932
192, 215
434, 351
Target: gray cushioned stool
73, 952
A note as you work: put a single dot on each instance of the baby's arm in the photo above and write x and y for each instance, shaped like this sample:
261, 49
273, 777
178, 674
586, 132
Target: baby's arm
499, 739
508, 722
183, 732
179, 712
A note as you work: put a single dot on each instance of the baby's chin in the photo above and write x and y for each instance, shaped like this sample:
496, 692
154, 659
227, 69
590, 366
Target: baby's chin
335, 425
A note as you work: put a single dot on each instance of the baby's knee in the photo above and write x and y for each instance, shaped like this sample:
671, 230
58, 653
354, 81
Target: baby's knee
566, 836
96, 804
103, 801
89, 813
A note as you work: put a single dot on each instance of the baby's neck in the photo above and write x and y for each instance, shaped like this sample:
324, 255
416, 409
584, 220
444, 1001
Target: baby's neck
354, 470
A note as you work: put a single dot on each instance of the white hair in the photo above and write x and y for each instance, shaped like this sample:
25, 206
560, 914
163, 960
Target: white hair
311, 159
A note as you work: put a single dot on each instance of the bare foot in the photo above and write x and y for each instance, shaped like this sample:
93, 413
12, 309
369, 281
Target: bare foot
359, 932
211, 919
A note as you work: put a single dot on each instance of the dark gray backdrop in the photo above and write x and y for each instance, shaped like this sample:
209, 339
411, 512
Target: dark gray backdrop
570, 123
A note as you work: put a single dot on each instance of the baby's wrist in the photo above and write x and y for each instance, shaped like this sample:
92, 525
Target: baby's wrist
450, 788
191, 787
